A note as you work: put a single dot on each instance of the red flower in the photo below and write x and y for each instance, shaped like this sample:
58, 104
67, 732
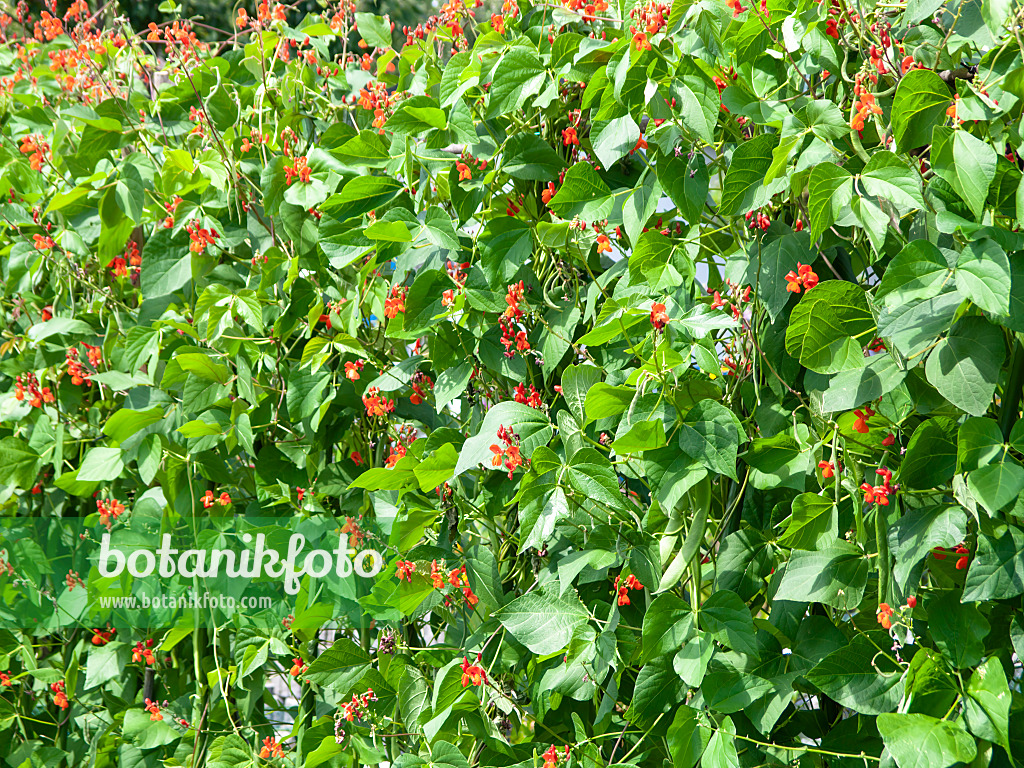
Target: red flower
961, 563
352, 369
641, 42
804, 276
885, 615
603, 244
271, 749
889, 439
300, 492
405, 570
718, 302
357, 458
395, 303
569, 137
861, 423
43, 243
548, 193
659, 318
464, 171
47, 313
397, 453
827, 469
911, 602
472, 674
300, 169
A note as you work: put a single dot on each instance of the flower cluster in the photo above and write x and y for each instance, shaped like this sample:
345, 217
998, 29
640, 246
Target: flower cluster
154, 711
375, 404
103, 636
473, 674
351, 711
37, 149
200, 237
879, 494
208, 499
298, 169
419, 381
405, 570
509, 453
761, 220
631, 582
73, 580
298, 667
271, 749
532, 399
27, 382
551, 756
863, 107
352, 369
376, 98
803, 277
144, 652
354, 531
60, 698
109, 511
395, 303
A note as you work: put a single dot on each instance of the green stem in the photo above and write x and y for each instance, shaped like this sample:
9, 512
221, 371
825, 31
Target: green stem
1008, 411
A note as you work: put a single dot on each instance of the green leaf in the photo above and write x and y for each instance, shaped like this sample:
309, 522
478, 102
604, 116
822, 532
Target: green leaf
930, 460
374, 30
983, 276
830, 190
887, 177
518, 76
997, 570
922, 741
979, 442
528, 156
859, 677
710, 434
668, 624
852, 389
996, 485
656, 691
359, 196
829, 327
919, 271
747, 169
203, 366
728, 620
964, 366
604, 401
339, 667
987, 706
543, 621
166, 264
451, 383
918, 532
966, 163
101, 465
577, 381
958, 630
583, 193
814, 522
836, 576
437, 468
140, 730
18, 463
687, 740
920, 104
614, 139
642, 436
125, 422
772, 260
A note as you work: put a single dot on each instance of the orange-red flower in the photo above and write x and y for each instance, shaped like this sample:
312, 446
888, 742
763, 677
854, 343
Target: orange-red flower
352, 369
827, 469
472, 674
640, 42
603, 244
804, 276
271, 749
861, 423
569, 136
300, 169
405, 570
659, 317
885, 615
464, 171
